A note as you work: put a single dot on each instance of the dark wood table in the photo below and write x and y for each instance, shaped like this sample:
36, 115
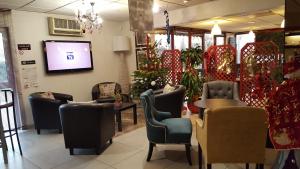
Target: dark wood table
216, 103
122, 107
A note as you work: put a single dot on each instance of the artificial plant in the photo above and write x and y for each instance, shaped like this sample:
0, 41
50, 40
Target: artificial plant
151, 74
192, 58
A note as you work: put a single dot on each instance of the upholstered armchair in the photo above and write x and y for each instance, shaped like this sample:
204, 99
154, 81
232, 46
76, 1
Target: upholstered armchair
45, 110
108, 98
89, 125
170, 102
220, 89
162, 129
232, 135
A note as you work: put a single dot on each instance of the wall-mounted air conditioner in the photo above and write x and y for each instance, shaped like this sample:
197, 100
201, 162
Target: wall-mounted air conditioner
64, 27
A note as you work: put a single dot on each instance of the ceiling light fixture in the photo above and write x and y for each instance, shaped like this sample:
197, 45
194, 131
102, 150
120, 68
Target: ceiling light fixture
216, 30
155, 8
282, 25
186, 1
88, 18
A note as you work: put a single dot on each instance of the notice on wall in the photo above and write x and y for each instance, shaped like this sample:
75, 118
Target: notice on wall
29, 75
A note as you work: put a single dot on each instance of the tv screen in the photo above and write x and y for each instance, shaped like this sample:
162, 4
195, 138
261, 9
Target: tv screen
67, 56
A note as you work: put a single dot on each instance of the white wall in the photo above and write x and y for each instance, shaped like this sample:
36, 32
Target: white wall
32, 28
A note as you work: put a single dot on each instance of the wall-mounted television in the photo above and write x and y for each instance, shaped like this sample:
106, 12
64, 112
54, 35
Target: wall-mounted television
67, 56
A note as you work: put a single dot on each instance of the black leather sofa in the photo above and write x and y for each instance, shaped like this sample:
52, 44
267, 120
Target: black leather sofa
46, 111
170, 102
87, 125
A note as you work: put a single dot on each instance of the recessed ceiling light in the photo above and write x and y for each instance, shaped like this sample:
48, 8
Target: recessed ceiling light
252, 22
186, 1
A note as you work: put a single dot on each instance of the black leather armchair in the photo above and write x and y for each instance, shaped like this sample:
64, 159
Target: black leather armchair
170, 102
87, 125
46, 111
96, 93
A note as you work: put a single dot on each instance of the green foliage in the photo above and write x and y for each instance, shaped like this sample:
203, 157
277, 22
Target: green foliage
151, 75
192, 58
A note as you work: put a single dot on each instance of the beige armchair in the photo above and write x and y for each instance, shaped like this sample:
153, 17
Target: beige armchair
232, 135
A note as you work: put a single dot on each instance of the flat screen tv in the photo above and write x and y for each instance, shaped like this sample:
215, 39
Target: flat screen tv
67, 56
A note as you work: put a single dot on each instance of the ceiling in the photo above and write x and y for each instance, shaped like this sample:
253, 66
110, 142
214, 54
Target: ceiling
259, 20
108, 9
118, 10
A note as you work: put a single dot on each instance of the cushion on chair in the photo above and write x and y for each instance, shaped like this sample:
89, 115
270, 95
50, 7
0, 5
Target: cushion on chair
107, 90
220, 89
179, 130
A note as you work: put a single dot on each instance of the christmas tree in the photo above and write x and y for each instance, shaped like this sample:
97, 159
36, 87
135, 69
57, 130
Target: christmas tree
151, 74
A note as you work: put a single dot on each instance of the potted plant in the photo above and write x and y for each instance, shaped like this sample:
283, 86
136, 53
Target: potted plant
191, 59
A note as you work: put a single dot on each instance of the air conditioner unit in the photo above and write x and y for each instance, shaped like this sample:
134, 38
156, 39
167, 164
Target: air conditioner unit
64, 27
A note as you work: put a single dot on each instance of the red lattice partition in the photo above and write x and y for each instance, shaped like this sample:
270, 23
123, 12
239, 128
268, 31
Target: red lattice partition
219, 63
172, 62
284, 115
257, 61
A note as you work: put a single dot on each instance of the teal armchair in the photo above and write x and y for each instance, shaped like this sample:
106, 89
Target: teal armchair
162, 129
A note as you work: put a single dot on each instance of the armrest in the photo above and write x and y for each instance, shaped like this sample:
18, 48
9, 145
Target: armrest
160, 115
204, 92
63, 97
201, 134
236, 95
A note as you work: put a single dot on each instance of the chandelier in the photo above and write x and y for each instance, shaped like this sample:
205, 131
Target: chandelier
88, 18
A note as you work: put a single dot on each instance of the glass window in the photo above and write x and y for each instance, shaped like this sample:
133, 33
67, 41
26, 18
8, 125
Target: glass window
241, 41
208, 40
197, 41
162, 45
3, 72
181, 42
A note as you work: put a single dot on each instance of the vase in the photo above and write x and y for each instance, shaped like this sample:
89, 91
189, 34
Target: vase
194, 109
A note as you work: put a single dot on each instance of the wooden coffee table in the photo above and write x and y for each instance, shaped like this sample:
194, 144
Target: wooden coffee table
125, 106
216, 103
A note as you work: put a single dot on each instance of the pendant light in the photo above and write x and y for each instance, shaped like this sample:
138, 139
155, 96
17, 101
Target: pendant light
251, 35
282, 24
216, 30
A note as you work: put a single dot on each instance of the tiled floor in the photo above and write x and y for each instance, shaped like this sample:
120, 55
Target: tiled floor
128, 151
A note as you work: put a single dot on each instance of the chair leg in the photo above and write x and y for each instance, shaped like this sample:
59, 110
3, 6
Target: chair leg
200, 156
208, 166
60, 131
71, 151
38, 131
188, 153
150, 151
247, 165
110, 141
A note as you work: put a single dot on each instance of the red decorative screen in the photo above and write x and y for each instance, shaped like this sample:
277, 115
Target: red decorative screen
219, 63
257, 61
171, 61
284, 115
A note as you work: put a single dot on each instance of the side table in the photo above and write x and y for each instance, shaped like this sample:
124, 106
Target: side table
122, 107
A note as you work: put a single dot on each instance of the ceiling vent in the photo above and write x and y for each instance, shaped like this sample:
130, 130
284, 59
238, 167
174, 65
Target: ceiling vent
64, 27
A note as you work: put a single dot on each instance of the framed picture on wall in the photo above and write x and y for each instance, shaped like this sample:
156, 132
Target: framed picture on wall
140, 39
140, 55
